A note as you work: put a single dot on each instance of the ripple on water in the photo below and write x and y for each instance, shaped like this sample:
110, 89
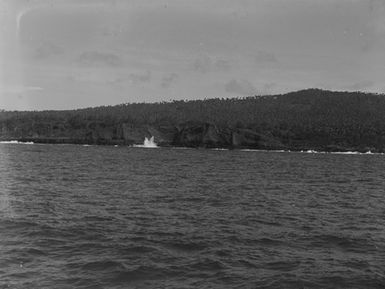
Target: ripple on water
103, 217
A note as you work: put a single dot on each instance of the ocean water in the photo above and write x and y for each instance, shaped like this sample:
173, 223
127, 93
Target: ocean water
118, 217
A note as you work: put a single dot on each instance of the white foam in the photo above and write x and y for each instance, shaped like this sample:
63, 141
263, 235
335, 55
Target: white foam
264, 151
16, 142
147, 143
252, 150
346, 153
313, 152
356, 153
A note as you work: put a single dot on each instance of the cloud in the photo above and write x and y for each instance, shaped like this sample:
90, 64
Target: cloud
222, 65
95, 58
375, 5
167, 80
242, 87
206, 63
202, 64
264, 57
18, 92
361, 85
133, 78
46, 50
138, 78
18, 89
33, 88
267, 88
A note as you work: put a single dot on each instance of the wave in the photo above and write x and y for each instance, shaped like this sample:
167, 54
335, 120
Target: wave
341, 153
147, 143
182, 148
6, 209
311, 152
16, 142
265, 151
356, 153
150, 143
314, 152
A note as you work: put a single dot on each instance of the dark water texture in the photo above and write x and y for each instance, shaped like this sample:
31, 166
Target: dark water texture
119, 217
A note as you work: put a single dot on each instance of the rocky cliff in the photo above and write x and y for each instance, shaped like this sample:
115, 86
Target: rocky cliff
187, 135
310, 119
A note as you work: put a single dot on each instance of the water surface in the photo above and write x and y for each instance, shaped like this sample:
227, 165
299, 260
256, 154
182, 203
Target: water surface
118, 217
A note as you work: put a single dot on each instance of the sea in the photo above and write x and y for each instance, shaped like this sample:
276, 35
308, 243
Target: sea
74, 216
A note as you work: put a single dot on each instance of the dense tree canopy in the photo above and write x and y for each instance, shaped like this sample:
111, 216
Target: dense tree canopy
310, 117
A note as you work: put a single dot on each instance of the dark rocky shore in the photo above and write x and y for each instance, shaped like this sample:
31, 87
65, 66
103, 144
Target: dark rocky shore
188, 135
305, 120
193, 135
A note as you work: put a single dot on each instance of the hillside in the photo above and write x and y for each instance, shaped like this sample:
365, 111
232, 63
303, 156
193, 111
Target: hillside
307, 119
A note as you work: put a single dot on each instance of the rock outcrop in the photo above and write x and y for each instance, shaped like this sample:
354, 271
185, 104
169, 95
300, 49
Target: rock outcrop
188, 134
201, 135
247, 138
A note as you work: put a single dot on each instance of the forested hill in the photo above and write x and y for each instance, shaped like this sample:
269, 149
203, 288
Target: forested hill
307, 119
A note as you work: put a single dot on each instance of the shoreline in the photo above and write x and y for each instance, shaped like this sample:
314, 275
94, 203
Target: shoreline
141, 146
306, 120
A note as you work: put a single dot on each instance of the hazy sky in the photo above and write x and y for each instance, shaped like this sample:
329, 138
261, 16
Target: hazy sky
76, 53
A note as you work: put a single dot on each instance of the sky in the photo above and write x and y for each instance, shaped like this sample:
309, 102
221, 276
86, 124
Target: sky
65, 54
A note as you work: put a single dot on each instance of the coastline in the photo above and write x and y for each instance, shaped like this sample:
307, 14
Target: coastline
346, 151
307, 120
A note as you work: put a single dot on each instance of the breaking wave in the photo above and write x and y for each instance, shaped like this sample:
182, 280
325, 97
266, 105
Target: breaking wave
16, 142
147, 143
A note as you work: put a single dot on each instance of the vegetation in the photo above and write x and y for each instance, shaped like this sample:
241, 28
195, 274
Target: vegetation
306, 119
